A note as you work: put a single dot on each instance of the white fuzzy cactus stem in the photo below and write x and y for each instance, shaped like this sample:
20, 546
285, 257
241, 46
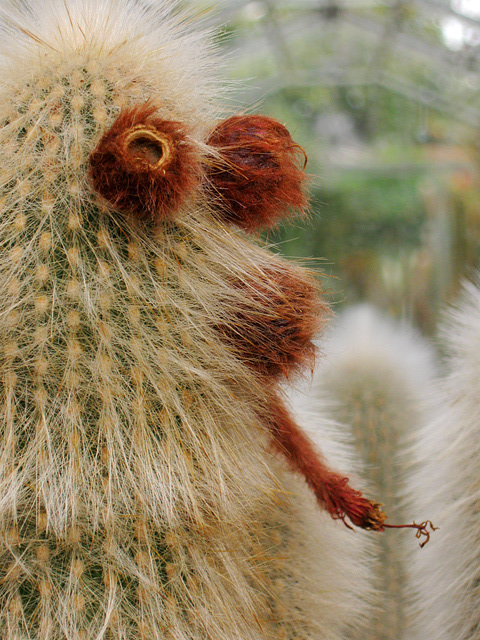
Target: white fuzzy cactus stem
376, 372
447, 485
333, 551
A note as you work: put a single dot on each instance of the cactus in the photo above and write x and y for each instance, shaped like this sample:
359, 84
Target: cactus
143, 339
377, 374
358, 593
445, 576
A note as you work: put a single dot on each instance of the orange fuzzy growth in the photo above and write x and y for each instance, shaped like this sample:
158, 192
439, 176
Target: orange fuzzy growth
144, 165
260, 177
331, 489
272, 328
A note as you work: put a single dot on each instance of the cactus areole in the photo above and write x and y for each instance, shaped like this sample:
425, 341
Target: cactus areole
144, 337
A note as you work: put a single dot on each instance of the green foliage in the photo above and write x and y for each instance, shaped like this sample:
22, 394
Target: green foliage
359, 212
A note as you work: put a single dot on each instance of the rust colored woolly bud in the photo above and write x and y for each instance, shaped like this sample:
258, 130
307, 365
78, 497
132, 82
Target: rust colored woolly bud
260, 176
332, 490
144, 165
273, 324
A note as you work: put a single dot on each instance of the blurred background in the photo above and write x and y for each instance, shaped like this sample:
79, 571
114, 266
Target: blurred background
385, 99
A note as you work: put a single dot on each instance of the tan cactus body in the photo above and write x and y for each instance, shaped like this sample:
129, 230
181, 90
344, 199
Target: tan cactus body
137, 500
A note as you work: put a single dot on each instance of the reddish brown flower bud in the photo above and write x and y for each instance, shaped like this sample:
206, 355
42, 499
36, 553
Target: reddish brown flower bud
144, 165
261, 174
332, 490
273, 328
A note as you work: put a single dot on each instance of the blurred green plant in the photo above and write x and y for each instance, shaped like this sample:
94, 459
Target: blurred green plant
354, 223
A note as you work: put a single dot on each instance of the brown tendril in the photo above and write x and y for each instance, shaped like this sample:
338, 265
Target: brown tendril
422, 529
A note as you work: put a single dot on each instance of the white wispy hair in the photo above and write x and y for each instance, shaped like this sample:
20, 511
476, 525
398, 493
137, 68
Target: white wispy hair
340, 556
151, 45
138, 500
377, 373
446, 485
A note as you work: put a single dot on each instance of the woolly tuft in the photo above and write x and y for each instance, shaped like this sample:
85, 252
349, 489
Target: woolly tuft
258, 178
445, 481
282, 314
378, 374
143, 165
146, 50
139, 498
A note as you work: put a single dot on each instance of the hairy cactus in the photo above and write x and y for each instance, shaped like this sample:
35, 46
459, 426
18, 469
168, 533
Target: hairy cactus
377, 374
143, 339
446, 575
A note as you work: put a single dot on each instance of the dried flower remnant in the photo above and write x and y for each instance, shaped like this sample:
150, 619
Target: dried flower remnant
258, 178
144, 165
273, 326
331, 489
422, 530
